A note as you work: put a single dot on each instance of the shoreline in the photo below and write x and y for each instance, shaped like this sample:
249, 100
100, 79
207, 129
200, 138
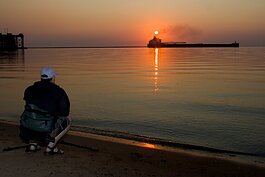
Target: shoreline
97, 155
163, 142
158, 143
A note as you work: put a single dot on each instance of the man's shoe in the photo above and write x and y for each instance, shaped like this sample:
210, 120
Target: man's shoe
53, 151
32, 147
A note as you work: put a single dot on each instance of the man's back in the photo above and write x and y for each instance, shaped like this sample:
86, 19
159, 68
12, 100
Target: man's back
48, 96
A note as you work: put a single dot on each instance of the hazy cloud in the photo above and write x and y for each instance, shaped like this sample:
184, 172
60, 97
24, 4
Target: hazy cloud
182, 31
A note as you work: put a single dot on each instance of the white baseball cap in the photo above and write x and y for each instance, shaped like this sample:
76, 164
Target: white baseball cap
47, 73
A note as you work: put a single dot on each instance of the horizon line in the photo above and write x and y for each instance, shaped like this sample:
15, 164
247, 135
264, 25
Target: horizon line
39, 47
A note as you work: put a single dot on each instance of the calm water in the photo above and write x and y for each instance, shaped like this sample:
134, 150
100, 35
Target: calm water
212, 97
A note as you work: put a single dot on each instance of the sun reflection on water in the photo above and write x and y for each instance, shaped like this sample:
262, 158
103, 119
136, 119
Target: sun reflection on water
156, 70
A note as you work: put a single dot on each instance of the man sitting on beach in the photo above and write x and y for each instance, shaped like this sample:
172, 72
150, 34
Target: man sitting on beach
46, 116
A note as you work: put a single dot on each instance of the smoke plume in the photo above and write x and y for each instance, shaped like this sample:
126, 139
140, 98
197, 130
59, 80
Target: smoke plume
182, 31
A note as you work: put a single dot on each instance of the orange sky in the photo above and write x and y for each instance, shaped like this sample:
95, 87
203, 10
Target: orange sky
124, 22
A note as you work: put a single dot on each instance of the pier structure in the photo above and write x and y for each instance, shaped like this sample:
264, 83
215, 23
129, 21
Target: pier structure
10, 41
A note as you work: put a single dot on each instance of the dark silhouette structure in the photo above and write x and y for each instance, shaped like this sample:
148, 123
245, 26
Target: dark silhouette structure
11, 42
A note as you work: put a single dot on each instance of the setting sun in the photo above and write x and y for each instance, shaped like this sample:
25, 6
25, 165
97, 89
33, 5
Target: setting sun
156, 32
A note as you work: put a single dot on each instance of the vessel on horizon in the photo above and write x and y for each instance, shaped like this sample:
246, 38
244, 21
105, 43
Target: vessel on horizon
157, 43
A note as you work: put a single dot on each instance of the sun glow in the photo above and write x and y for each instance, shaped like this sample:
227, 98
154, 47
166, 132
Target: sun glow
148, 145
156, 32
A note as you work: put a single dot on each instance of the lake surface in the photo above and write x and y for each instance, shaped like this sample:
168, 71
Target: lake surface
212, 97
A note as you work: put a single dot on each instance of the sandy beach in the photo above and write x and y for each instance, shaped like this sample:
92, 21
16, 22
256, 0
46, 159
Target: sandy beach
99, 156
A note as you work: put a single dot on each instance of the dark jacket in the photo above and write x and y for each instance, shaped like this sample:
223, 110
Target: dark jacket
48, 96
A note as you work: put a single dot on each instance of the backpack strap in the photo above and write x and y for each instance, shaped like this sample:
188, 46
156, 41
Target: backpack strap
35, 109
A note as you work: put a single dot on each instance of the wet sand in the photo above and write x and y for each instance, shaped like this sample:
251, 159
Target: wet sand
100, 156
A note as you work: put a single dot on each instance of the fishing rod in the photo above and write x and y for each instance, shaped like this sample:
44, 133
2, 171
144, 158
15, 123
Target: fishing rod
62, 142
15, 147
